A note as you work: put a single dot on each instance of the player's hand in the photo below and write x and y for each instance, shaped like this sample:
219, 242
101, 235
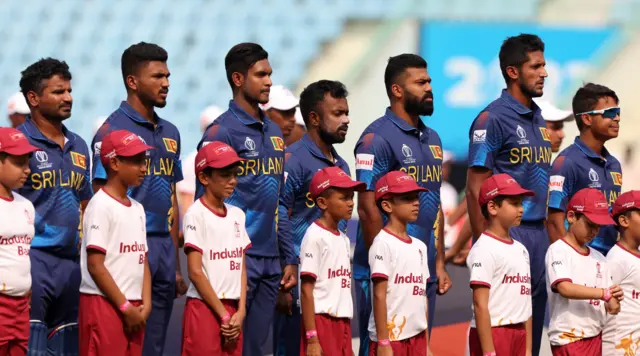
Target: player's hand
289, 277
616, 292
145, 310
612, 306
284, 302
384, 350
181, 285
133, 319
313, 347
444, 281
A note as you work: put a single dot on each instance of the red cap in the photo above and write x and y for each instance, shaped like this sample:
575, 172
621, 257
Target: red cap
14, 142
332, 177
592, 203
396, 182
216, 155
626, 201
121, 143
500, 184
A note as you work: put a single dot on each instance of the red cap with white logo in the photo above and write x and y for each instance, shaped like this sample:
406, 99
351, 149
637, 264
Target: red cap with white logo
332, 177
500, 184
216, 155
14, 142
396, 182
121, 143
592, 203
626, 201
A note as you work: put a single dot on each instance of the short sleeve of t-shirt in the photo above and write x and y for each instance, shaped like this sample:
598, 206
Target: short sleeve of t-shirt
485, 138
482, 267
310, 256
616, 270
96, 228
557, 266
192, 230
380, 260
373, 159
561, 183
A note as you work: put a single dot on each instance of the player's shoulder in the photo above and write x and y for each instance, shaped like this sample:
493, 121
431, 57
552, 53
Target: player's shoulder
78, 141
380, 126
295, 152
169, 128
570, 151
433, 135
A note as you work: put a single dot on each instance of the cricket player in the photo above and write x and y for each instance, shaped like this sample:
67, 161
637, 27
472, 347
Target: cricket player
586, 163
146, 76
270, 262
326, 111
510, 136
400, 140
59, 188
17, 109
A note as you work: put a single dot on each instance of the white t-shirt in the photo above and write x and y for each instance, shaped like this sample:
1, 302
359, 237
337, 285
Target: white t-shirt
119, 231
504, 268
16, 232
325, 256
622, 332
404, 264
572, 320
188, 182
222, 241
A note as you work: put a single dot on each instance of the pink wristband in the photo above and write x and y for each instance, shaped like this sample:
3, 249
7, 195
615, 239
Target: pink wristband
124, 306
225, 318
492, 353
311, 333
607, 294
384, 342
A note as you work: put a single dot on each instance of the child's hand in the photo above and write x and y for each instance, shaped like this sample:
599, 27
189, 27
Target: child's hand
313, 348
235, 324
612, 306
616, 292
133, 319
385, 350
145, 311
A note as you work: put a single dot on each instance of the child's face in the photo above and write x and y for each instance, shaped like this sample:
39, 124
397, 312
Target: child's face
338, 203
509, 213
131, 170
14, 171
222, 182
404, 207
582, 228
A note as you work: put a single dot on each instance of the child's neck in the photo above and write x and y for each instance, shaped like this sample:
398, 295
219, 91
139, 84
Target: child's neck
117, 189
214, 203
496, 229
328, 222
397, 227
575, 243
5, 192
627, 241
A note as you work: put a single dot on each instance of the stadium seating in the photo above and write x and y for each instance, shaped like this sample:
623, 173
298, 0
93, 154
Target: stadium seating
91, 35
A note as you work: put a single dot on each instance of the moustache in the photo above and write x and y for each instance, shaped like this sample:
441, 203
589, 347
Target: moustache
427, 96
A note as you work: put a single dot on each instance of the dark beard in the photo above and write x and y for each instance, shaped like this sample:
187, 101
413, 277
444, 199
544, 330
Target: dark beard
414, 106
330, 138
527, 91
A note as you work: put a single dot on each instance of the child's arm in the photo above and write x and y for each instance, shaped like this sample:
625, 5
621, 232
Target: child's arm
527, 328
380, 314
238, 318
483, 318
146, 290
570, 290
200, 281
308, 314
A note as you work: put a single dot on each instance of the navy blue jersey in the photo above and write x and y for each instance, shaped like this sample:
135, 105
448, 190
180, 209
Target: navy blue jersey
391, 144
508, 137
58, 182
163, 165
297, 209
261, 176
578, 167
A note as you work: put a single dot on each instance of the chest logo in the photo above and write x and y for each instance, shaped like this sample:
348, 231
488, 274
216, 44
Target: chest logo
278, 143
43, 159
436, 151
79, 160
407, 152
617, 178
545, 134
170, 145
236, 228
594, 178
522, 135
250, 145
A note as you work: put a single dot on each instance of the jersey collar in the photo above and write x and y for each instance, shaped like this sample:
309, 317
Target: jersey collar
518, 107
247, 119
315, 150
135, 116
32, 131
591, 153
404, 126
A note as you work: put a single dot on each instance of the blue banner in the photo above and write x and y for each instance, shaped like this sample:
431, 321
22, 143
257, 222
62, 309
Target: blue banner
463, 64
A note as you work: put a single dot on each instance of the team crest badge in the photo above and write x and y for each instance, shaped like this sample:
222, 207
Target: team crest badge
545, 133
236, 228
436, 151
278, 143
617, 178
79, 160
170, 144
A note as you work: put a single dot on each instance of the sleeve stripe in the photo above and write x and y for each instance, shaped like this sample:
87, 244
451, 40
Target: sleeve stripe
97, 248
479, 283
379, 275
192, 246
308, 274
555, 283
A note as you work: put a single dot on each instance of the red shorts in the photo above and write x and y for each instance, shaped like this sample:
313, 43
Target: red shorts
14, 325
507, 340
413, 346
101, 329
334, 335
586, 347
201, 333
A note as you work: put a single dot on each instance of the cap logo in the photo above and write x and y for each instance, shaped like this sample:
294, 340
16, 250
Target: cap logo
601, 204
324, 184
510, 181
403, 179
222, 149
202, 162
128, 139
342, 174
492, 192
629, 204
578, 207
383, 189
17, 136
111, 154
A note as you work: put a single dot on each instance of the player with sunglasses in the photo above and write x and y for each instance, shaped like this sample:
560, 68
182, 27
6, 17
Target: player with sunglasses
587, 163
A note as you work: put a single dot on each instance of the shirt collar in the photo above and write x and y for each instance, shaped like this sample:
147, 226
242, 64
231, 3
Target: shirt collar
403, 125
135, 116
247, 119
518, 107
315, 150
32, 131
591, 153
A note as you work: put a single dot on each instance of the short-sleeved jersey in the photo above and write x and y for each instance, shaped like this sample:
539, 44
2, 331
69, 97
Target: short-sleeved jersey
297, 210
58, 182
16, 232
578, 167
505, 269
326, 257
260, 178
573, 320
622, 331
391, 144
403, 263
163, 165
508, 137
222, 240
119, 231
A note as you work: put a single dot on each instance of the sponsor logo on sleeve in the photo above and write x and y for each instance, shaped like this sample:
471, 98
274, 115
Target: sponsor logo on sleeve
556, 183
365, 161
479, 136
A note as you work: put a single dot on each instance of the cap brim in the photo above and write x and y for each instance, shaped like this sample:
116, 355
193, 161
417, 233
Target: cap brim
518, 191
20, 150
284, 105
600, 219
351, 184
222, 163
134, 150
403, 191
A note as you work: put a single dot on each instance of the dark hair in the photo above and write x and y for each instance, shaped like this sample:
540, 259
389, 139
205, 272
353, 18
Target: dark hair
315, 92
586, 99
398, 65
515, 50
241, 57
498, 200
627, 214
34, 75
3, 156
139, 54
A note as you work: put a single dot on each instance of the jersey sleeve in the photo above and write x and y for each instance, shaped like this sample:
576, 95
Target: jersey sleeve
562, 183
96, 228
482, 267
557, 263
288, 194
192, 230
246, 241
380, 260
374, 159
86, 192
485, 139
310, 256
177, 164
96, 144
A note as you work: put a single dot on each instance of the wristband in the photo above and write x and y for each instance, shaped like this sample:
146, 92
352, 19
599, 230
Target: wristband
311, 333
384, 342
492, 353
606, 294
124, 306
225, 318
